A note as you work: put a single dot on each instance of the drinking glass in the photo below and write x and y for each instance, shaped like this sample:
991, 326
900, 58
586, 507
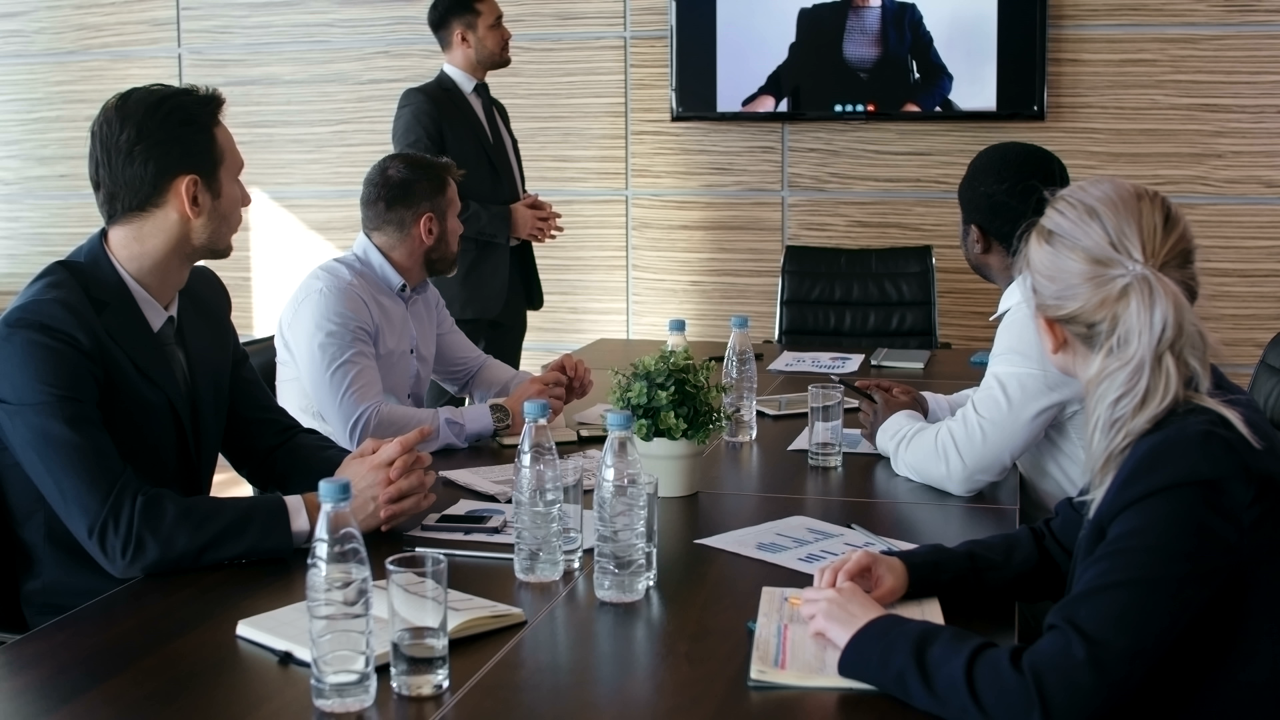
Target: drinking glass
826, 425
571, 512
651, 529
418, 608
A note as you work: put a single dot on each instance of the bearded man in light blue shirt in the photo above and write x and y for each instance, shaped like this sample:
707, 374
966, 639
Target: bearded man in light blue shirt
363, 336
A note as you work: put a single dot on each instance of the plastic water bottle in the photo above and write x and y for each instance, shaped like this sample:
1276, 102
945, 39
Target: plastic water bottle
740, 375
339, 603
621, 509
675, 334
538, 494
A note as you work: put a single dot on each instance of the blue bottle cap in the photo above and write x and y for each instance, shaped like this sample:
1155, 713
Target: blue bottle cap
739, 322
335, 490
675, 325
536, 409
615, 420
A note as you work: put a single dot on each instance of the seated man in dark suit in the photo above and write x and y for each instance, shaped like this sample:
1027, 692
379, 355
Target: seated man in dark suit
858, 52
124, 379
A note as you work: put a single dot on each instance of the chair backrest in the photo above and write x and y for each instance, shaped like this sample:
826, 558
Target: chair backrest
12, 620
845, 298
1264, 386
262, 355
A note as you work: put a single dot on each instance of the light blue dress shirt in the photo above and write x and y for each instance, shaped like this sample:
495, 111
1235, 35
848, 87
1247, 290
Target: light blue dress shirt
356, 349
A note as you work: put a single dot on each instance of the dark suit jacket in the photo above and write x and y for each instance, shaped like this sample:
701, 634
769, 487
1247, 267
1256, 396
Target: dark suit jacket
437, 119
1166, 596
105, 476
815, 75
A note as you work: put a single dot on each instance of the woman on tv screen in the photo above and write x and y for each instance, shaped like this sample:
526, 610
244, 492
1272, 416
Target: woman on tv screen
858, 54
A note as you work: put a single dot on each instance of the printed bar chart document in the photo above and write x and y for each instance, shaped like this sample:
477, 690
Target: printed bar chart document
784, 653
817, 363
499, 480
853, 442
799, 543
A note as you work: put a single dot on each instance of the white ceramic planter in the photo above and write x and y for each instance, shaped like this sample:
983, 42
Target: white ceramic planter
675, 462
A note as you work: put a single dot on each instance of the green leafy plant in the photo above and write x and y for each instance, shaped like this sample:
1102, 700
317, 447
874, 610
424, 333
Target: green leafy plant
671, 396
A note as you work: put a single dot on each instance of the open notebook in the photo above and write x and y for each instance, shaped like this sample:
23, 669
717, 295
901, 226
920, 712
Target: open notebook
785, 654
286, 630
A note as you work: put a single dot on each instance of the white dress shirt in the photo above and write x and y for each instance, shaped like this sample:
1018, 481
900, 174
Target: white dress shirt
467, 85
299, 523
1024, 412
356, 350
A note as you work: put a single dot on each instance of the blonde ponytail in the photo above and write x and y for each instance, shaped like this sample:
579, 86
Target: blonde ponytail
1114, 264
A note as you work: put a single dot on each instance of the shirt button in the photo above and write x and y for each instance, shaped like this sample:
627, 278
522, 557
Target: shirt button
410, 351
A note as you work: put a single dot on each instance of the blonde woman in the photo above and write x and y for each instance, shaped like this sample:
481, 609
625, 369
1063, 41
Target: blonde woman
1166, 570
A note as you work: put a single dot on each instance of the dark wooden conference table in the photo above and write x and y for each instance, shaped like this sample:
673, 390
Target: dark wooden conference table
164, 646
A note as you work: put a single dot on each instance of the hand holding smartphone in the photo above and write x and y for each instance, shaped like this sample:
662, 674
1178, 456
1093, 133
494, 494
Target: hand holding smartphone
855, 389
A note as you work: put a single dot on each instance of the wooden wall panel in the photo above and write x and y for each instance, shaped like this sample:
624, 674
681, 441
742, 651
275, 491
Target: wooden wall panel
1239, 264
567, 101
219, 22
1163, 12
584, 274
42, 26
35, 233
704, 259
1189, 113
965, 301
650, 14
684, 155
45, 113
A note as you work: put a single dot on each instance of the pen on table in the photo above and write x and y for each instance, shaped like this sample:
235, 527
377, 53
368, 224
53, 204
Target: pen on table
464, 553
720, 358
874, 536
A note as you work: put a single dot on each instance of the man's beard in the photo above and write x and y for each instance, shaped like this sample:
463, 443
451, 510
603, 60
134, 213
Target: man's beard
441, 264
490, 61
214, 243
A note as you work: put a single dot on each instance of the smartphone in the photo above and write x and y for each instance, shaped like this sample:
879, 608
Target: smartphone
854, 389
592, 433
720, 358
558, 436
444, 522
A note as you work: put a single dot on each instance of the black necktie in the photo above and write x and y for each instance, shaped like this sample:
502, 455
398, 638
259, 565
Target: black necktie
168, 337
490, 117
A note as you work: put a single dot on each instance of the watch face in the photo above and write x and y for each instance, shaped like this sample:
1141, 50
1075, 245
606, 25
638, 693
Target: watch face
501, 416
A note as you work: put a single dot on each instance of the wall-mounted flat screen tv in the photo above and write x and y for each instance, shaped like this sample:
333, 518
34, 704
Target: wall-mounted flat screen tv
858, 59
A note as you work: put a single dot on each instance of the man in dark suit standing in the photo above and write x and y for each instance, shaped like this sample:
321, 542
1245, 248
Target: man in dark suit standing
455, 115
124, 379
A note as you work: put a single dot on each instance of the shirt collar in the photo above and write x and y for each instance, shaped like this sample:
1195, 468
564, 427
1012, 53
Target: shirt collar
155, 314
372, 258
466, 83
1013, 295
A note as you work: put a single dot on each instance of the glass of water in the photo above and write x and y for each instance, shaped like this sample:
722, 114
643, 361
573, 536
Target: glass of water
571, 512
826, 425
651, 530
418, 607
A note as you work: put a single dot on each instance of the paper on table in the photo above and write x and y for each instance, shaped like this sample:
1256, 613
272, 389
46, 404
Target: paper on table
822, 363
853, 442
499, 480
593, 415
508, 534
784, 653
800, 543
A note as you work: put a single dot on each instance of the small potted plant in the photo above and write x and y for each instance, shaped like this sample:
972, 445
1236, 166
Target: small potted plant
676, 404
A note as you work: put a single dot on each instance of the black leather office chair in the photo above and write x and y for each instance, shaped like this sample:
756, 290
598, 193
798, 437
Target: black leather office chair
845, 298
262, 354
1264, 386
12, 622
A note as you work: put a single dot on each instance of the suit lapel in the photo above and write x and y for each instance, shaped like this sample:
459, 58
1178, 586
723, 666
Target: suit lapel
210, 367
463, 106
124, 322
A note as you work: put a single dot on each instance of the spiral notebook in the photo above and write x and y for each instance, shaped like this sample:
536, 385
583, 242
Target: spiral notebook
285, 631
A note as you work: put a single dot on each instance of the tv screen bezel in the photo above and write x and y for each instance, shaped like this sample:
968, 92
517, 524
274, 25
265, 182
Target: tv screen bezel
1034, 115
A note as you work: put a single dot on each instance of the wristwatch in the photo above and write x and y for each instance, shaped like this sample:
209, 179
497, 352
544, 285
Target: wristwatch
501, 418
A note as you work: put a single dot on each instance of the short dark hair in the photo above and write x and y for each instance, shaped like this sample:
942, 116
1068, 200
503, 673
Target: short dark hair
1006, 189
145, 138
402, 187
445, 15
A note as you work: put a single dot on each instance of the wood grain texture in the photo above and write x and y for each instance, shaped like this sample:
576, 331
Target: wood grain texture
1163, 12
220, 22
1185, 112
572, 133
45, 113
34, 234
686, 155
704, 259
584, 275
650, 14
965, 301
42, 26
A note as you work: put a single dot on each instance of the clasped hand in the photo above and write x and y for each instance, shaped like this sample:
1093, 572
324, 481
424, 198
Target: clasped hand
891, 399
567, 379
851, 592
390, 482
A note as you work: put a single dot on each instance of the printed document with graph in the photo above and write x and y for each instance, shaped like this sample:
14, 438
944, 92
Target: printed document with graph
784, 653
799, 543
